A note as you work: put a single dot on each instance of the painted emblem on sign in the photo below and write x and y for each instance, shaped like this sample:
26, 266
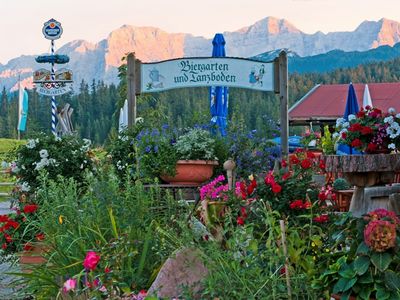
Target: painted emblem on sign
156, 80
52, 30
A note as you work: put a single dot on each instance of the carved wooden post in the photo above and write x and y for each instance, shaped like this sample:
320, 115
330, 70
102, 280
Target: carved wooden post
230, 166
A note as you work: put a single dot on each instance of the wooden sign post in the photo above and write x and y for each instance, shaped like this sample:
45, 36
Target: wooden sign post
131, 89
283, 98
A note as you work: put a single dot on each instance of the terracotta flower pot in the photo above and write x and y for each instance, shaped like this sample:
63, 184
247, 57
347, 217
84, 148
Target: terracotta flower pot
28, 259
190, 172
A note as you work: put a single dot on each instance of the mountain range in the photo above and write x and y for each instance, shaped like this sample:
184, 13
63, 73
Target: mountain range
100, 61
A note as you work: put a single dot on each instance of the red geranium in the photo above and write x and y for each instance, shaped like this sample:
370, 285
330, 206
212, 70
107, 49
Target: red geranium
240, 221
306, 163
30, 208
366, 130
321, 219
294, 159
276, 188
356, 143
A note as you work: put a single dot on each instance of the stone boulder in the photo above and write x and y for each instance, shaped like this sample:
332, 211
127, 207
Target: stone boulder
184, 270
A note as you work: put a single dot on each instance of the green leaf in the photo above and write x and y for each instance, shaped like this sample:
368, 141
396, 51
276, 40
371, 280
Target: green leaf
113, 223
343, 285
347, 271
361, 264
392, 280
381, 260
382, 293
362, 248
366, 278
365, 293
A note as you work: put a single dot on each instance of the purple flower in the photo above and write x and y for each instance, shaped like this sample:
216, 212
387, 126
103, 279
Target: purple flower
147, 149
155, 149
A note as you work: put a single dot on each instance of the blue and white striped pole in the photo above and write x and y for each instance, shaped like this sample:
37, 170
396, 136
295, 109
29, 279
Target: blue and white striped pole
53, 98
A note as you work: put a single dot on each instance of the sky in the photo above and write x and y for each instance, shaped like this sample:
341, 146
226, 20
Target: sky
21, 21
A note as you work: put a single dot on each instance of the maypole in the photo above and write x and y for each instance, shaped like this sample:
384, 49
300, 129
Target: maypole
53, 83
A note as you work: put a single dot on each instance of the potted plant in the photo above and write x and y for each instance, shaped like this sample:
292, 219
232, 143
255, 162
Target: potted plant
186, 158
343, 192
370, 131
196, 158
370, 261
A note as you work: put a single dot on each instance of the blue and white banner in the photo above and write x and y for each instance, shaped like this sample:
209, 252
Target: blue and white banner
22, 109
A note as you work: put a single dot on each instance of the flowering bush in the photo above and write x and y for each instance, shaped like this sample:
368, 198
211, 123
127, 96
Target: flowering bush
370, 261
68, 156
370, 130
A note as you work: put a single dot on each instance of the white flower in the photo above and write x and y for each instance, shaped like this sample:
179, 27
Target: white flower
351, 117
42, 163
31, 144
335, 135
388, 120
392, 146
58, 139
398, 116
391, 111
43, 153
4, 165
81, 166
345, 124
25, 187
339, 122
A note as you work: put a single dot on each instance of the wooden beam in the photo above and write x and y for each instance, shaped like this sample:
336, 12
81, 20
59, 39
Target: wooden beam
283, 97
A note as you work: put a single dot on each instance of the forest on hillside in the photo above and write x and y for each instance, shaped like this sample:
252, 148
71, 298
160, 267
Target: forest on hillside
96, 105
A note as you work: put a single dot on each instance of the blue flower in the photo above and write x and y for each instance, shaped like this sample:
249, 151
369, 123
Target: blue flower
155, 149
147, 149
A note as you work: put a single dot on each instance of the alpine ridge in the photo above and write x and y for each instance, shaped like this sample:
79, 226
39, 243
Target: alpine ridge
100, 61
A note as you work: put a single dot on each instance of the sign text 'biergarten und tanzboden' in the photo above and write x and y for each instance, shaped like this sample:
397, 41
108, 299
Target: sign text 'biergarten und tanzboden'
196, 72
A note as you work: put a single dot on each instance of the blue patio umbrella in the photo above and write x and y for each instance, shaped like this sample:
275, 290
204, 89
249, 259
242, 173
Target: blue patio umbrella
219, 95
351, 109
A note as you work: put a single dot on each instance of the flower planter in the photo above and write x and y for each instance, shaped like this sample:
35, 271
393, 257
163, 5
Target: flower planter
189, 172
343, 199
30, 259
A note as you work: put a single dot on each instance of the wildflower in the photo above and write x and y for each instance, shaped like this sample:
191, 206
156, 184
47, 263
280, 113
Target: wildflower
40, 236
25, 187
69, 285
43, 153
60, 219
91, 260
28, 247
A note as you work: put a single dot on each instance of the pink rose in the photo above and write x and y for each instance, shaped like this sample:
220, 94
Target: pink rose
69, 285
91, 260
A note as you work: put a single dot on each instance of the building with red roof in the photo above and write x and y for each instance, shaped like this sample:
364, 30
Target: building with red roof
324, 103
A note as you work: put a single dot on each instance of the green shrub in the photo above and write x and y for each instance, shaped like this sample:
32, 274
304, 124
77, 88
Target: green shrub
340, 184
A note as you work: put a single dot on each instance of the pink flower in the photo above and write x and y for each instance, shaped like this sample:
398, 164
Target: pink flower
91, 260
69, 285
380, 235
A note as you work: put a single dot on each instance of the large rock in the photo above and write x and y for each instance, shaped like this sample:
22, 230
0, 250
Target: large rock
184, 270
